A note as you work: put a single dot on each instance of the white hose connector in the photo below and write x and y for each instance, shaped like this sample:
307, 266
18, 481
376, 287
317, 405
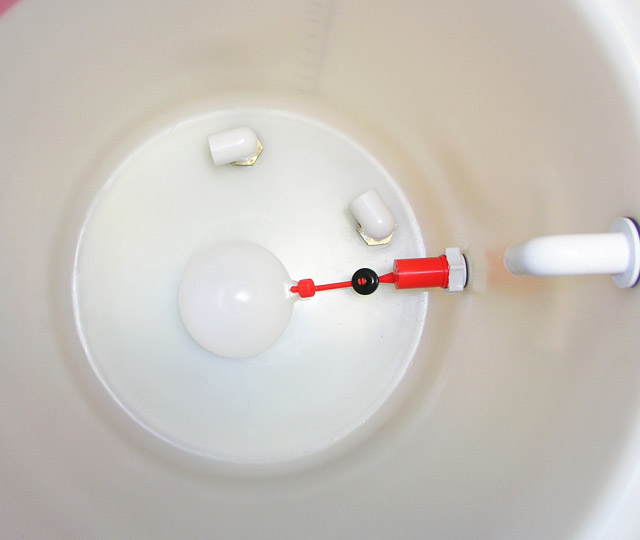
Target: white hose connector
616, 253
238, 146
376, 223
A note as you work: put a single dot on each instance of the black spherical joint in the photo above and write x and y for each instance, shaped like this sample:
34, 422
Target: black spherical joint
364, 281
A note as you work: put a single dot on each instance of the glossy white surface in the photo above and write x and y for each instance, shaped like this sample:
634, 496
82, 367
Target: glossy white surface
163, 207
519, 415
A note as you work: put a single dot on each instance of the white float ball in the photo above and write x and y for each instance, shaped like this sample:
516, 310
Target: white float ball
234, 299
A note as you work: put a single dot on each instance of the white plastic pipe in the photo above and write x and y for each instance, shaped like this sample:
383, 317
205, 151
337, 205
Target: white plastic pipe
615, 253
569, 255
373, 215
238, 145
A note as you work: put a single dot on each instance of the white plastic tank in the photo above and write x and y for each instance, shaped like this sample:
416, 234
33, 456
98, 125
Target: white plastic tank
509, 410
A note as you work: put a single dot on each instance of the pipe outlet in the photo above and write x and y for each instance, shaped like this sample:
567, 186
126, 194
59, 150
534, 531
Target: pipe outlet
616, 253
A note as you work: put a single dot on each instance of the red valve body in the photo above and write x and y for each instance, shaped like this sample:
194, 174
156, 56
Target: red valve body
421, 273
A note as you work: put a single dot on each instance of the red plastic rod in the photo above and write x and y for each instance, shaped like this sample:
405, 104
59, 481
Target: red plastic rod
329, 286
306, 288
